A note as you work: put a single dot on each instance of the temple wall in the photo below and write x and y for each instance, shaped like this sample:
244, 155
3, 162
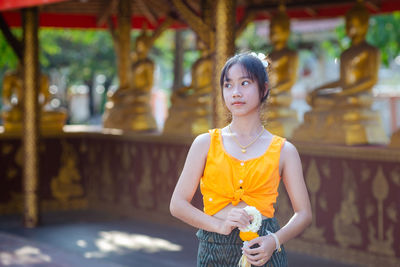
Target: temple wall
354, 193
354, 190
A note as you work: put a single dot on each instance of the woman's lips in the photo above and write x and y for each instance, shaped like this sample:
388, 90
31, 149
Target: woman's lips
238, 103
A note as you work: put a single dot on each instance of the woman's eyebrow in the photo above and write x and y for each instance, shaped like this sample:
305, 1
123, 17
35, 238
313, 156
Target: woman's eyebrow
227, 79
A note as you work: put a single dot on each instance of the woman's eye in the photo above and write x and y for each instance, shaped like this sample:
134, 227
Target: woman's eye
227, 85
245, 83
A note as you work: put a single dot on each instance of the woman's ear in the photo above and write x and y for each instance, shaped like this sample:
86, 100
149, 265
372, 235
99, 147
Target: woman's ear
266, 92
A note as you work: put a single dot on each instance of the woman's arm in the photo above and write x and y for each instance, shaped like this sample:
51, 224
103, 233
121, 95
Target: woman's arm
185, 189
292, 176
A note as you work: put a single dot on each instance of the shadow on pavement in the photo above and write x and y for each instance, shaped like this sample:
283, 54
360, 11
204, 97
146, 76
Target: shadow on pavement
86, 238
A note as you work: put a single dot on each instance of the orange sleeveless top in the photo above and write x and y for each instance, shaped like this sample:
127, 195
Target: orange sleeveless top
229, 180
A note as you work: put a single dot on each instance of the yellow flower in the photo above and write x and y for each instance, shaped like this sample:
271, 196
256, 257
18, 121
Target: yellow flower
247, 236
250, 232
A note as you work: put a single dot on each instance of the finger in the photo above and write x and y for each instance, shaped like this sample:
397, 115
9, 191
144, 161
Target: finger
241, 220
253, 258
247, 215
244, 222
261, 262
237, 211
241, 213
247, 219
234, 223
237, 218
257, 240
253, 251
236, 214
230, 224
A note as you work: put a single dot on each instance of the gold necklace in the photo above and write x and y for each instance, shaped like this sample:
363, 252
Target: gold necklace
246, 146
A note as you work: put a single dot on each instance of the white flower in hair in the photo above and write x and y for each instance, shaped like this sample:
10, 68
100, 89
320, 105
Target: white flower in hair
261, 57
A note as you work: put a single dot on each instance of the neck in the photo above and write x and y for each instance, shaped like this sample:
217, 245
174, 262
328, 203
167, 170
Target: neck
357, 40
279, 46
203, 53
246, 126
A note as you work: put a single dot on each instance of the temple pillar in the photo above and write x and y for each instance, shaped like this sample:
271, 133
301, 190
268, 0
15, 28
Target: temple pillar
123, 42
31, 116
178, 60
225, 19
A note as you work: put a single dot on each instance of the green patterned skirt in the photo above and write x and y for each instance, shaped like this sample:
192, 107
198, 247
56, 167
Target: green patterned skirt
216, 250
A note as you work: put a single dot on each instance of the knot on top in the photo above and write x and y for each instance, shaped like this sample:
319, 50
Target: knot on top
237, 196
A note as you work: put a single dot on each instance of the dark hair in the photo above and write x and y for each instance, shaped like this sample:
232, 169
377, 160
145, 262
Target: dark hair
254, 68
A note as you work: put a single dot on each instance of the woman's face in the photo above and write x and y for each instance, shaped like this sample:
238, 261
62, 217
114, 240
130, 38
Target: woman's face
240, 92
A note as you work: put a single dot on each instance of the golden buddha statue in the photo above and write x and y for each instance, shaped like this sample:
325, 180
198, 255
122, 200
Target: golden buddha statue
12, 114
67, 183
190, 110
50, 120
281, 119
341, 110
129, 108
395, 140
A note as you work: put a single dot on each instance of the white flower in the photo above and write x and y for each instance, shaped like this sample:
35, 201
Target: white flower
261, 57
256, 223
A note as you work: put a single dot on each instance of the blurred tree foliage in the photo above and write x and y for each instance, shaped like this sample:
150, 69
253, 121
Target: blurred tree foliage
384, 33
249, 40
80, 55
82, 52
8, 59
163, 54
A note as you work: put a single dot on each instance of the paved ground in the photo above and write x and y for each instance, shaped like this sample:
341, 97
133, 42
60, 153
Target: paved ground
92, 239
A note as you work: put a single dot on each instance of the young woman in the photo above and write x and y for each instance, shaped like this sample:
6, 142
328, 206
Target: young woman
237, 166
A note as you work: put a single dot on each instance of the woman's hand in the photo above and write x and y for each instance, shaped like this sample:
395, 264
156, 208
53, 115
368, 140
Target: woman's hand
237, 218
260, 255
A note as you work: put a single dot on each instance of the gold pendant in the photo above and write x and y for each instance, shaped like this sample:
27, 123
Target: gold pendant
243, 150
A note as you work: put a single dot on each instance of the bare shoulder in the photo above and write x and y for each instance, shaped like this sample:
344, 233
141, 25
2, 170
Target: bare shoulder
290, 162
289, 149
289, 152
201, 144
202, 140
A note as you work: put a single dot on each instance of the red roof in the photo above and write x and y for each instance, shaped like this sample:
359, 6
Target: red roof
85, 13
16, 4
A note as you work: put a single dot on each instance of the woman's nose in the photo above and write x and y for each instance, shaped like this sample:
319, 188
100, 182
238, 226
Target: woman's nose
236, 92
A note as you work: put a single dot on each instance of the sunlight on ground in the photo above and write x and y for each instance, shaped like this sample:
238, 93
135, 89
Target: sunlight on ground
81, 243
122, 243
23, 255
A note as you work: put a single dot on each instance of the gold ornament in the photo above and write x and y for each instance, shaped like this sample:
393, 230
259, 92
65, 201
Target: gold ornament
246, 146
